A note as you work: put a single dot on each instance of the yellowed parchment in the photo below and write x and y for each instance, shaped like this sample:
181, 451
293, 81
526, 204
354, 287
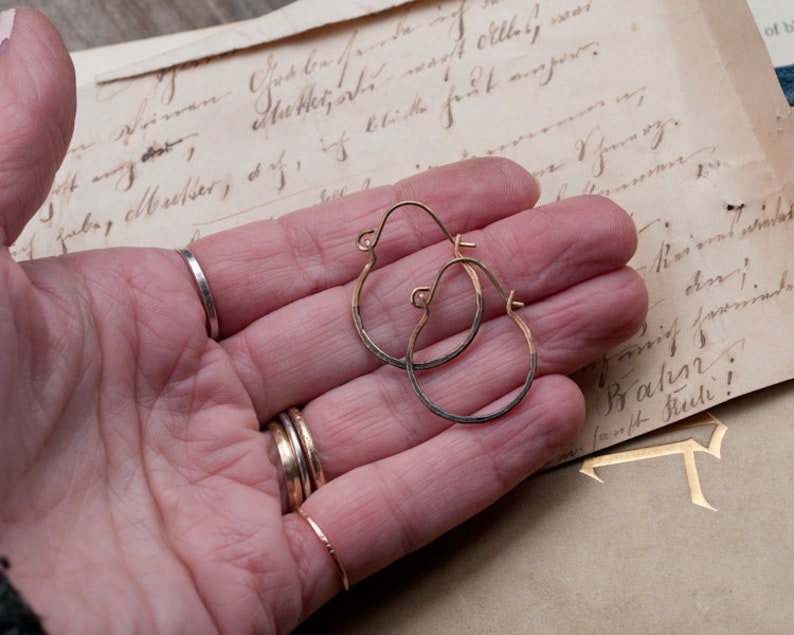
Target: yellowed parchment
668, 106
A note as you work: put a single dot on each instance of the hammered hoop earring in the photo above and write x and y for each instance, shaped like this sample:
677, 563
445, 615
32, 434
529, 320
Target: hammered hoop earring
421, 299
367, 243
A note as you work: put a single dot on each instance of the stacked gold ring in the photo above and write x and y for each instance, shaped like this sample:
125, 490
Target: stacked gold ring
300, 462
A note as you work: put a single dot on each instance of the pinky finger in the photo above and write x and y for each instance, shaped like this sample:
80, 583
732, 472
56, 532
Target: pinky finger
380, 512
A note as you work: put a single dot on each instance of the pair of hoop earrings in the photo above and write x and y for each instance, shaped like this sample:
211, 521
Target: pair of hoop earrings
422, 297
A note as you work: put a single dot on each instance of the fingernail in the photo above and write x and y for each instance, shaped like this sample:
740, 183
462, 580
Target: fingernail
6, 26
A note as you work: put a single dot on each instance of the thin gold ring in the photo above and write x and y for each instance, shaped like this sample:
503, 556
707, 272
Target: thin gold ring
213, 328
327, 544
289, 462
316, 473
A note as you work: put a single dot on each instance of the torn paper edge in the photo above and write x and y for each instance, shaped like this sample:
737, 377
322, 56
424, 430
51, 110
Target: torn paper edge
292, 19
93, 62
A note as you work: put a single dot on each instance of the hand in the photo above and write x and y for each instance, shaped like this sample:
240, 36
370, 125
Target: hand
139, 494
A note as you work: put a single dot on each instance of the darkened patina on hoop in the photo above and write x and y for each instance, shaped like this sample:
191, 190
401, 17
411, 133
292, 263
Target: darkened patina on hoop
421, 298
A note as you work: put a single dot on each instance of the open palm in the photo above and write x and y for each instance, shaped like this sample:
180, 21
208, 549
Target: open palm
139, 494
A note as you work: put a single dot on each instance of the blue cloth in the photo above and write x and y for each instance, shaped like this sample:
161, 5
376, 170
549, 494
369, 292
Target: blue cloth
785, 75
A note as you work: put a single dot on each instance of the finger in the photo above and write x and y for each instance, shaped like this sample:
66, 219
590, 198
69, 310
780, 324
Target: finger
263, 266
378, 415
37, 106
538, 253
378, 513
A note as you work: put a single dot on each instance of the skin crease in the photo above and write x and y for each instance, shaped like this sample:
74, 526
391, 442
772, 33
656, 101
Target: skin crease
139, 495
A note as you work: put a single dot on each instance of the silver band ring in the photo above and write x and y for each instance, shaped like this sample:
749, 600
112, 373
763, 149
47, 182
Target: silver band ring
213, 330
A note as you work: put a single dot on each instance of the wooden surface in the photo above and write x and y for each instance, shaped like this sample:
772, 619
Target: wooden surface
89, 23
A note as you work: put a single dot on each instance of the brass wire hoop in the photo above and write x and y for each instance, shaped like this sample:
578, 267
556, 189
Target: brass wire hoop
421, 298
367, 244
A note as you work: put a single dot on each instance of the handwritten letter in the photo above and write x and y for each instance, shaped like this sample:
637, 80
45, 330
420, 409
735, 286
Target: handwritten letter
653, 106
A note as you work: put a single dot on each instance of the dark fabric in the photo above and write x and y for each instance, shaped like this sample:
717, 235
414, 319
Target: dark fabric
16, 617
785, 75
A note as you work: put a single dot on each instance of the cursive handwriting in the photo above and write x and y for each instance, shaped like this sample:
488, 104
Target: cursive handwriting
558, 86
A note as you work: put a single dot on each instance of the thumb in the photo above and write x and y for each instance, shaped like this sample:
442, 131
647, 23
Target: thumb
37, 108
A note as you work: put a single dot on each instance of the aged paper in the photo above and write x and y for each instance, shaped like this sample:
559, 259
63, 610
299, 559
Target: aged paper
293, 18
91, 63
670, 108
129, 59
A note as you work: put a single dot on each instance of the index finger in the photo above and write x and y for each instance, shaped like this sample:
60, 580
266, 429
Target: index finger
255, 269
